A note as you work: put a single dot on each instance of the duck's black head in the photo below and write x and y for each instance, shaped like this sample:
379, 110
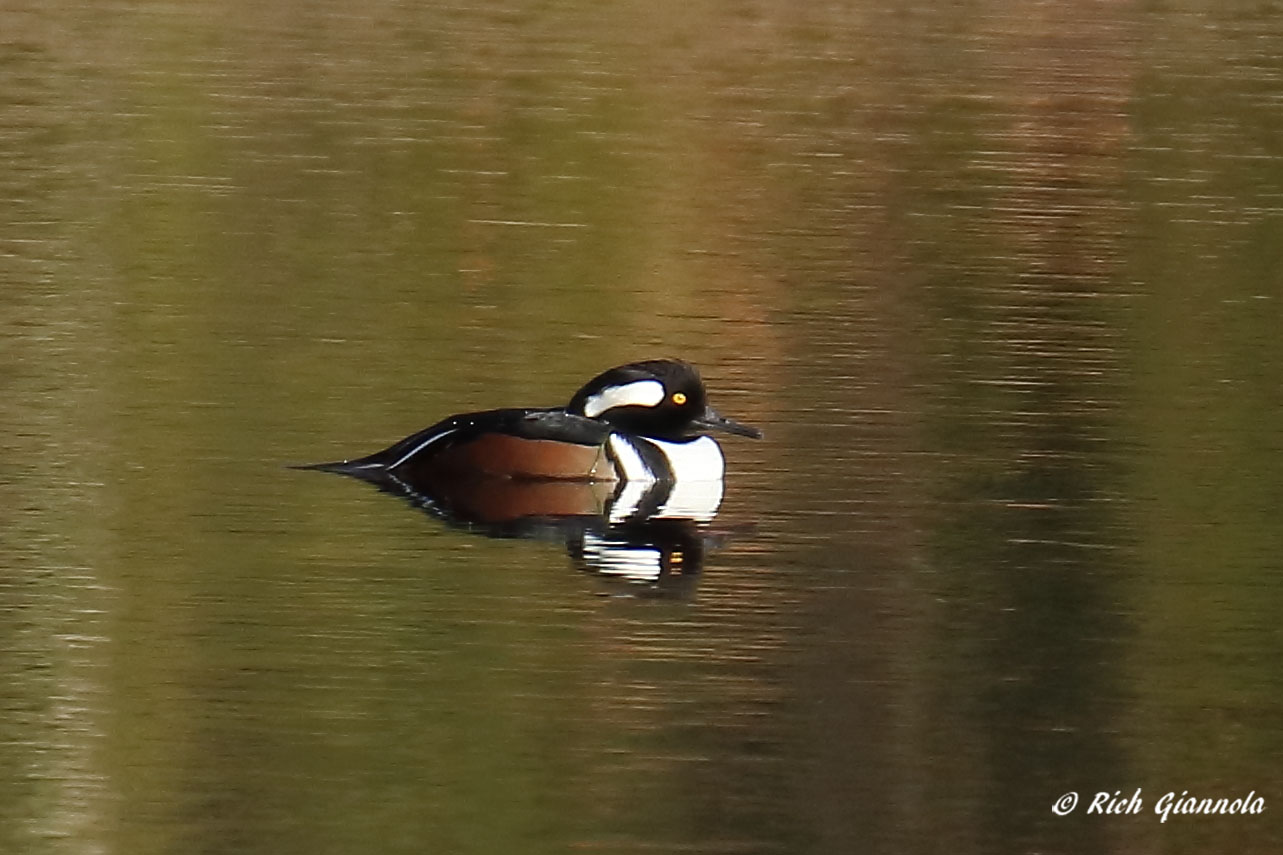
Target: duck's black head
662, 398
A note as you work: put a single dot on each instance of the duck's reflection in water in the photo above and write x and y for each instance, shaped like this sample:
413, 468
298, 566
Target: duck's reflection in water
638, 538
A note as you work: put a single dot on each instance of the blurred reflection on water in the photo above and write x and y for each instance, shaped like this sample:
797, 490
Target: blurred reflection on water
647, 537
1002, 283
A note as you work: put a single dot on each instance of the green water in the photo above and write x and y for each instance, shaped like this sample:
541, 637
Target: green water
1002, 283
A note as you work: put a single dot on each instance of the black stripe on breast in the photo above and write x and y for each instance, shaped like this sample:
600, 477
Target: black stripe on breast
652, 458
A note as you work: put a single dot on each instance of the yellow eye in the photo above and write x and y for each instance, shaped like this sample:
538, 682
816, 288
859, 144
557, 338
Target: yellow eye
679, 398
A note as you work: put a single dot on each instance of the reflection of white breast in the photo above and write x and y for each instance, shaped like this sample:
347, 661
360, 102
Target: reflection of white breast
679, 500
642, 459
637, 563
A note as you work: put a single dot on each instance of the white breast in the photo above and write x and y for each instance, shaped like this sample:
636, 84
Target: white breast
697, 460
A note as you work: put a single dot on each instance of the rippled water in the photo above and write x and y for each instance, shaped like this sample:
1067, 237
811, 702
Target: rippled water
1000, 282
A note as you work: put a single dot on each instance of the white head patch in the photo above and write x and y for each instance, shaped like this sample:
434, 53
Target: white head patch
639, 393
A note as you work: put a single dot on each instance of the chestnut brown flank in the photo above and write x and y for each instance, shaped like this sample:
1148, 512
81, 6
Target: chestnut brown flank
513, 457
495, 500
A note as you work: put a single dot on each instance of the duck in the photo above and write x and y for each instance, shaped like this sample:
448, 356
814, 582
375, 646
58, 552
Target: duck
645, 421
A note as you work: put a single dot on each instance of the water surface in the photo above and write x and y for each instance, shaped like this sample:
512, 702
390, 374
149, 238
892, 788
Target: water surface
1001, 284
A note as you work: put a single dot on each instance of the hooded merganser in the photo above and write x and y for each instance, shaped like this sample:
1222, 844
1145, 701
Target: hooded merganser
645, 421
